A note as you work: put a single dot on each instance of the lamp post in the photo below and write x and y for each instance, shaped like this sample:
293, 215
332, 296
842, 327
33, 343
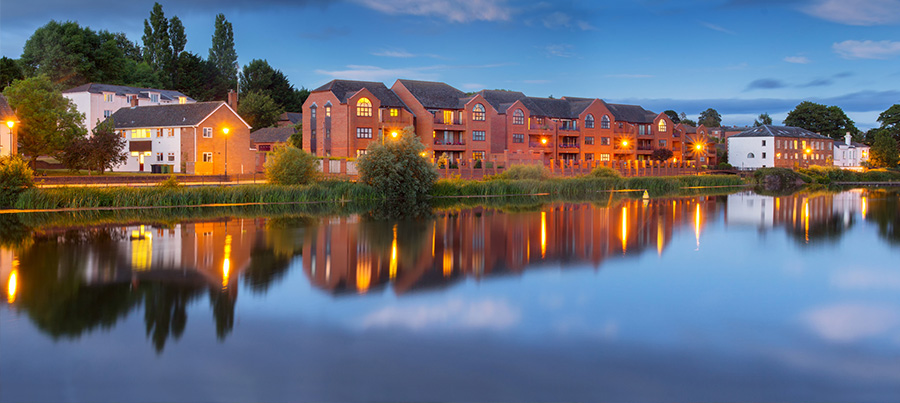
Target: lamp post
808, 152
699, 151
225, 131
10, 124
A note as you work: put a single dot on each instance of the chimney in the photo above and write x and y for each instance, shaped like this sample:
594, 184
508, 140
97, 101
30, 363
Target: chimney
847, 138
134, 100
232, 99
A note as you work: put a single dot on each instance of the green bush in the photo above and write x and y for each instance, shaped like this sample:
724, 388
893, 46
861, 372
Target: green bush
724, 165
171, 182
605, 172
290, 166
15, 177
396, 169
523, 172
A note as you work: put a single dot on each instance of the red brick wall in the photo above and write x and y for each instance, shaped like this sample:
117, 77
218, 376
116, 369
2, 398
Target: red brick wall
241, 158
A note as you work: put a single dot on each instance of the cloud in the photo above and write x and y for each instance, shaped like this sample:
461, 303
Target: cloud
376, 73
559, 19
851, 322
472, 86
393, 53
867, 279
797, 59
819, 82
855, 12
559, 50
455, 313
765, 84
460, 11
715, 27
867, 49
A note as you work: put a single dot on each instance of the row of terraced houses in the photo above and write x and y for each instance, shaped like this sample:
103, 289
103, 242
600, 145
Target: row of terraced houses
342, 117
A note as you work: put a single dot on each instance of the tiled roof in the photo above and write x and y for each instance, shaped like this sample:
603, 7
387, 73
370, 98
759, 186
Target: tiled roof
293, 117
501, 99
631, 113
781, 131
272, 134
688, 129
176, 115
548, 107
97, 88
6, 112
344, 89
435, 95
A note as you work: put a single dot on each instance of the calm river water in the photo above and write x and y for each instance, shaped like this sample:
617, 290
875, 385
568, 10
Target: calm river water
742, 297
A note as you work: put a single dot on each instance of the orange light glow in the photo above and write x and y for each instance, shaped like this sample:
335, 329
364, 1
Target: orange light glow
226, 263
225, 130
12, 284
394, 134
624, 143
448, 263
865, 207
808, 150
393, 268
141, 249
543, 141
697, 225
698, 147
624, 229
660, 237
806, 220
543, 234
10, 123
363, 275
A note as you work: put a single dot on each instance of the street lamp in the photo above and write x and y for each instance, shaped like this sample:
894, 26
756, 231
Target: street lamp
699, 151
10, 124
225, 131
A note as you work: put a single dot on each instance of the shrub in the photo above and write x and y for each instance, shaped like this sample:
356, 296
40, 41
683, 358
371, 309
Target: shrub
523, 172
605, 172
724, 165
290, 166
396, 169
15, 177
477, 164
170, 183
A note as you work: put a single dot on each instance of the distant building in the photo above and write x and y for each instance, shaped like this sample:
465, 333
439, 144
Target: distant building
850, 154
100, 101
724, 132
266, 139
189, 138
289, 119
779, 146
9, 142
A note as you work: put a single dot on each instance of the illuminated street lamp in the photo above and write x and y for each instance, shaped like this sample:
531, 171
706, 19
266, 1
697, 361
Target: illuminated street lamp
225, 131
544, 141
698, 150
10, 124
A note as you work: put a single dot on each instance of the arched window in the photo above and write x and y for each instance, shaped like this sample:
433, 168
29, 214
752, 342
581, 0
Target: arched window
662, 125
604, 122
750, 155
478, 112
518, 117
364, 107
589, 121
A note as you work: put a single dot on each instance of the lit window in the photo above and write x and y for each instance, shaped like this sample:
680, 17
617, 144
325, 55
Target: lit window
478, 135
207, 157
394, 112
327, 111
588, 140
478, 112
159, 132
363, 132
360, 152
171, 132
364, 107
662, 126
604, 157
518, 138
518, 117
182, 100
478, 155
207, 132
604, 122
448, 117
140, 133
108, 97
589, 121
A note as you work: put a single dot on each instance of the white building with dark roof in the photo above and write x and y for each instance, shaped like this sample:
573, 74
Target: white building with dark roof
779, 146
99, 101
850, 154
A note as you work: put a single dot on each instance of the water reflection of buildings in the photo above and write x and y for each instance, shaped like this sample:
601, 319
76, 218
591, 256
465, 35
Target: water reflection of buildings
349, 255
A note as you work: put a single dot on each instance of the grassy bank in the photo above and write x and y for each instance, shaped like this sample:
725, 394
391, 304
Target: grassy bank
580, 187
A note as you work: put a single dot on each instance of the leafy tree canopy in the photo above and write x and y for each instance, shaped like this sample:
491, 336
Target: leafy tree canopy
222, 53
9, 72
396, 169
259, 110
710, 118
763, 119
890, 119
827, 120
662, 154
673, 115
884, 152
260, 76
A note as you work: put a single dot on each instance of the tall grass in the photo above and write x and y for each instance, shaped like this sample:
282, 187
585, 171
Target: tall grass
579, 186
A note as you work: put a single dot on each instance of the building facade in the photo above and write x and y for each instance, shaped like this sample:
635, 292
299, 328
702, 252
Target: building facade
779, 146
204, 138
850, 154
100, 101
265, 140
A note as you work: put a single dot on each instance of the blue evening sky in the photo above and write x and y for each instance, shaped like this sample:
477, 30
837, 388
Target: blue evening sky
741, 57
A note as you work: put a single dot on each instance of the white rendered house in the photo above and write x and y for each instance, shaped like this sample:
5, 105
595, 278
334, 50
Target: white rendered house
779, 146
850, 154
99, 101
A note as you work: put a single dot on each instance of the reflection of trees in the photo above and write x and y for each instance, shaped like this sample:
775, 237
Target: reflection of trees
827, 229
885, 211
165, 310
12, 232
222, 303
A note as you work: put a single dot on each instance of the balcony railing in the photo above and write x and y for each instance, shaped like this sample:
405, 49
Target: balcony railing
439, 120
535, 144
645, 148
568, 127
568, 145
449, 142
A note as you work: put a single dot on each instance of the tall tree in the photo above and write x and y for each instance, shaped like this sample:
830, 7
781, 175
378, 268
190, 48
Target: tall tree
884, 152
827, 120
260, 76
763, 119
9, 72
157, 45
177, 36
222, 53
49, 121
890, 120
710, 118
673, 116
259, 110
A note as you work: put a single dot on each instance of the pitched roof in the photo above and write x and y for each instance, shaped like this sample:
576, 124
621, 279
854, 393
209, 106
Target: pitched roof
688, 129
553, 108
6, 112
344, 89
436, 95
501, 99
631, 113
272, 134
293, 117
175, 115
781, 131
98, 88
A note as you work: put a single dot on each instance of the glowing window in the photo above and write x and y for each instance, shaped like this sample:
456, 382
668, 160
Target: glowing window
478, 112
327, 111
207, 157
394, 112
518, 117
364, 107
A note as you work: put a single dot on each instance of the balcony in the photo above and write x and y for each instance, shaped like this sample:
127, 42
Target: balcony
568, 126
537, 144
645, 148
569, 145
448, 119
452, 144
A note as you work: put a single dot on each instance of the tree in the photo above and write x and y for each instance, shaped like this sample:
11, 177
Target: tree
763, 119
260, 76
884, 152
222, 54
396, 169
710, 118
107, 149
157, 45
662, 154
177, 36
890, 120
259, 110
296, 139
49, 121
688, 122
826, 120
673, 116
9, 72
290, 165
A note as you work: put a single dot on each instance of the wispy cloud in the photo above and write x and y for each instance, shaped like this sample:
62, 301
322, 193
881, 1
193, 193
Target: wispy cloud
855, 12
819, 82
797, 59
455, 313
867, 49
559, 19
766, 84
460, 11
376, 73
719, 28
393, 53
629, 76
559, 50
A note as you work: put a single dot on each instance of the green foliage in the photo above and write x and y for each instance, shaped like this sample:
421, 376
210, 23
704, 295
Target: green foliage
15, 177
605, 172
177, 36
524, 172
103, 150
763, 119
396, 169
259, 110
290, 166
724, 165
688, 122
586, 187
673, 116
222, 54
9, 72
779, 178
170, 183
260, 76
157, 46
829, 121
661, 154
710, 118
890, 119
884, 152
296, 139
49, 121
829, 175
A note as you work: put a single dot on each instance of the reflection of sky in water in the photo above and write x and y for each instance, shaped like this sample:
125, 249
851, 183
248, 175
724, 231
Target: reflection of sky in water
749, 315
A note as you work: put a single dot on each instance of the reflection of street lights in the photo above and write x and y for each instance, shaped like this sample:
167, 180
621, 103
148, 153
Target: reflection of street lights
225, 130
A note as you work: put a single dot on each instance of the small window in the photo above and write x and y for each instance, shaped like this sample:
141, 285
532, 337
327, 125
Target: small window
159, 157
518, 138
140, 134
394, 112
588, 156
604, 157
621, 125
360, 152
763, 155
159, 132
108, 97
363, 132
107, 113
478, 112
312, 112
662, 126
364, 107
171, 157
478, 155
764, 144
589, 121
518, 117
182, 100
207, 132
588, 140
170, 132
662, 144
154, 97
207, 157
604, 141
327, 111
478, 135
750, 155
604, 122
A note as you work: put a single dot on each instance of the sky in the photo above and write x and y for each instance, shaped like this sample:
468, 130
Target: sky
741, 57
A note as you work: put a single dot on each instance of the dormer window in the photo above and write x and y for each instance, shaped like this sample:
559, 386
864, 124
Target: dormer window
662, 126
589, 121
364, 107
518, 117
182, 100
154, 97
478, 112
